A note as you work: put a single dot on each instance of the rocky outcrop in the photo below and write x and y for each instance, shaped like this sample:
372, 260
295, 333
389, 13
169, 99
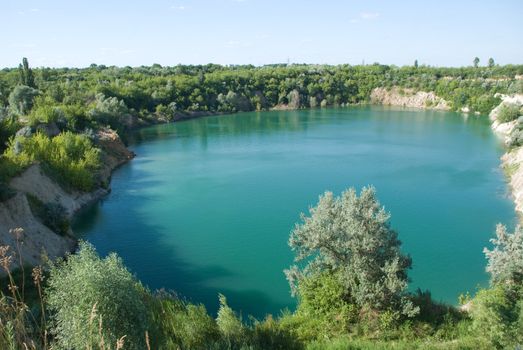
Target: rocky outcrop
408, 98
16, 211
114, 153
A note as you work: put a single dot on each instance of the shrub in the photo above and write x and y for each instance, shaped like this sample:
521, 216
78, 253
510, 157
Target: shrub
93, 300
44, 112
508, 112
180, 325
496, 314
323, 298
505, 261
70, 158
53, 215
230, 326
269, 334
8, 127
22, 98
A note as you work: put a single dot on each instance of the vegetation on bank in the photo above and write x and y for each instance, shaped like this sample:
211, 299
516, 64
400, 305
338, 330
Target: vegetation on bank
80, 101
349, 297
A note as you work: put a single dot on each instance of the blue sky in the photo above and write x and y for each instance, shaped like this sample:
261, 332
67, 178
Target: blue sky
59, 33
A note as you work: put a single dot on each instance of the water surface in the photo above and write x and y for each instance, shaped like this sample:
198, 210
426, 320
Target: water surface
208, 204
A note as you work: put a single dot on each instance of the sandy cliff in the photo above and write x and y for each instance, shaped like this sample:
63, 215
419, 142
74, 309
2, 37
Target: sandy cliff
512, 160
16, 212
408, 98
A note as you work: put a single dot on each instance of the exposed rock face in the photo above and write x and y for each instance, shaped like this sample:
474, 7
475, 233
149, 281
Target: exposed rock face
506, 99
16, 212
512, 160
504, 129
114, 152
37, 238
408, 98
33, 181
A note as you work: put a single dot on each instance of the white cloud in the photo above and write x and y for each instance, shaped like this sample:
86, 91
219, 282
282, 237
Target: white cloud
235, 44
369, 15
178, 7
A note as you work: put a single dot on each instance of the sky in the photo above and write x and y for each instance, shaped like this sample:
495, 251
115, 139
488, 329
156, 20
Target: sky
77, 33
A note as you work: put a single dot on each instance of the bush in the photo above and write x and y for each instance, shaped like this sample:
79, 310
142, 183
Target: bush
508, 112
71, 159
505, 261
44, 112
180, 325
22, 98
53, 215
270, 334
93, 300
496, 314
322, 300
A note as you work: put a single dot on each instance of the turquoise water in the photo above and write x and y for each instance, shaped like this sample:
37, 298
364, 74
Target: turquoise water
207, 205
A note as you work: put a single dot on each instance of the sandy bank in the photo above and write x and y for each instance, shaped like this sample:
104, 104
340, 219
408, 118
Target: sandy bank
38, 238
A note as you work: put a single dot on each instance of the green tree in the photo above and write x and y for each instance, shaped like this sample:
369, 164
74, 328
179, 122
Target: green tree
26, 74
350, 236
505, 260
92, 298
491, 62
476, 62
415, 63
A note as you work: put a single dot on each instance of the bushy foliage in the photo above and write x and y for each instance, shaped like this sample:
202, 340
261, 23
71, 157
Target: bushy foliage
505, 260
509, 112
21, 99
109, 111
323, 310
230, 326
8, 126
350, 236
45, 111
515, 138
497, 315
72, 159
92, 298
181, 325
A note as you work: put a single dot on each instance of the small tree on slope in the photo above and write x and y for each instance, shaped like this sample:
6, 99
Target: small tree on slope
350, 237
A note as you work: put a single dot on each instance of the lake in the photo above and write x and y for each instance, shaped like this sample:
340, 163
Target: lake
207, 205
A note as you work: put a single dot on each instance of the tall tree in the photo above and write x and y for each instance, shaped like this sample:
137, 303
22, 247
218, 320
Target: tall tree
26, 74
476, 62
415, 63
491, 62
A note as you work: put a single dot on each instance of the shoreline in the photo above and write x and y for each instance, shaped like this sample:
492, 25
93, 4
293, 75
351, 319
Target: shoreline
116, 154
512, 160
